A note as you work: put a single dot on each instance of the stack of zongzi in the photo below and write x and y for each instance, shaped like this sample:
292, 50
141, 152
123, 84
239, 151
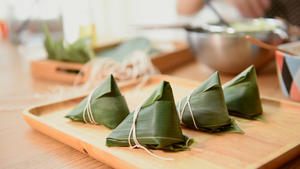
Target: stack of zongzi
105, 105
155, 123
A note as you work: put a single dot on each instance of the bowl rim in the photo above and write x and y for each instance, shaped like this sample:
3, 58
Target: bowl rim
272, 21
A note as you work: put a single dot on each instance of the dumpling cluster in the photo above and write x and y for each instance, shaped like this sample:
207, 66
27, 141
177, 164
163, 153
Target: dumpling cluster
156, 122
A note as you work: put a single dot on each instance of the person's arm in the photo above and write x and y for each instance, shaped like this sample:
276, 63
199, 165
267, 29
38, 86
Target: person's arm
189, 7
251, 8
248, 8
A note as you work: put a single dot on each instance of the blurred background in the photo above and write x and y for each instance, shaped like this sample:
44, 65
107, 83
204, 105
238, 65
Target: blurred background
170, 33
212, 32
111, 18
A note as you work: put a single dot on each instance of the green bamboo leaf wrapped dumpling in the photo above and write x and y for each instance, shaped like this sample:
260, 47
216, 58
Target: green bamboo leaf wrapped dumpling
205, 108
156, 124
105, 106
242, 95
80, 51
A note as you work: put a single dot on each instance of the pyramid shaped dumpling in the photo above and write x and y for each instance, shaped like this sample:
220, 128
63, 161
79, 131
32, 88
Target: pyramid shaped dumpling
209, 112
157, 124
242, 95
108, 106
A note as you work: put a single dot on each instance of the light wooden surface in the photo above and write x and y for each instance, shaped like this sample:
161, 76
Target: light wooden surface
168, 61
58, 71
22, 147
262, 145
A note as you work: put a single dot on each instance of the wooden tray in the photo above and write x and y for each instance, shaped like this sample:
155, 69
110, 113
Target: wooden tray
68, 71
265, 144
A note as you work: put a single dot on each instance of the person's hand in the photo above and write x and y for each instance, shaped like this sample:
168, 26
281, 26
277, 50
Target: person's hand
251, 8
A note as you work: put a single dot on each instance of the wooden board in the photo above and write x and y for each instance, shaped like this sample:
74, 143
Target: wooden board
265, 144
170, 60
59, 71
68, 72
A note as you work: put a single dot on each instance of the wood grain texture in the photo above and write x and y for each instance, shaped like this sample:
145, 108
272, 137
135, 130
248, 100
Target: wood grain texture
262, 145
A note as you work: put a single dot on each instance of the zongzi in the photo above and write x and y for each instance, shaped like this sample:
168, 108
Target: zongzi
242, 95
80, 51
154, 124
105, 105
205, 108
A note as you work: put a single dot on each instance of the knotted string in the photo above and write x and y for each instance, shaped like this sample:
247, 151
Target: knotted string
87, 110
133, 133
190, 108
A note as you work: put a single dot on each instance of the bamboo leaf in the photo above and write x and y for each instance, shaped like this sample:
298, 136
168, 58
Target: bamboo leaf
242, 95
108, 106
80, 51
208, 108
157, 125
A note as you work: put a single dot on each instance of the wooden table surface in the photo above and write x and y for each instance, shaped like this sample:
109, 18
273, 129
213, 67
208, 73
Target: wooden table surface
23, 147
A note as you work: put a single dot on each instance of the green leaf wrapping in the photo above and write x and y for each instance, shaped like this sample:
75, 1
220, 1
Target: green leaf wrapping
242, 95
80, 51
123, 51
208, 107
157, 124
108, 106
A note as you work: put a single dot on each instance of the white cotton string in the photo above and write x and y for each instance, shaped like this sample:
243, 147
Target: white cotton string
87, 110
190, 108
133, 133
137, 65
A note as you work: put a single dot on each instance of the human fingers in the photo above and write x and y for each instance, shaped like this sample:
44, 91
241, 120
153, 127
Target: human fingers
242, 6
251, 8
265, 4
256, 8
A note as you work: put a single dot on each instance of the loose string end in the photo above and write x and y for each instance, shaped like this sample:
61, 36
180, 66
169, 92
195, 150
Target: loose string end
133, 133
